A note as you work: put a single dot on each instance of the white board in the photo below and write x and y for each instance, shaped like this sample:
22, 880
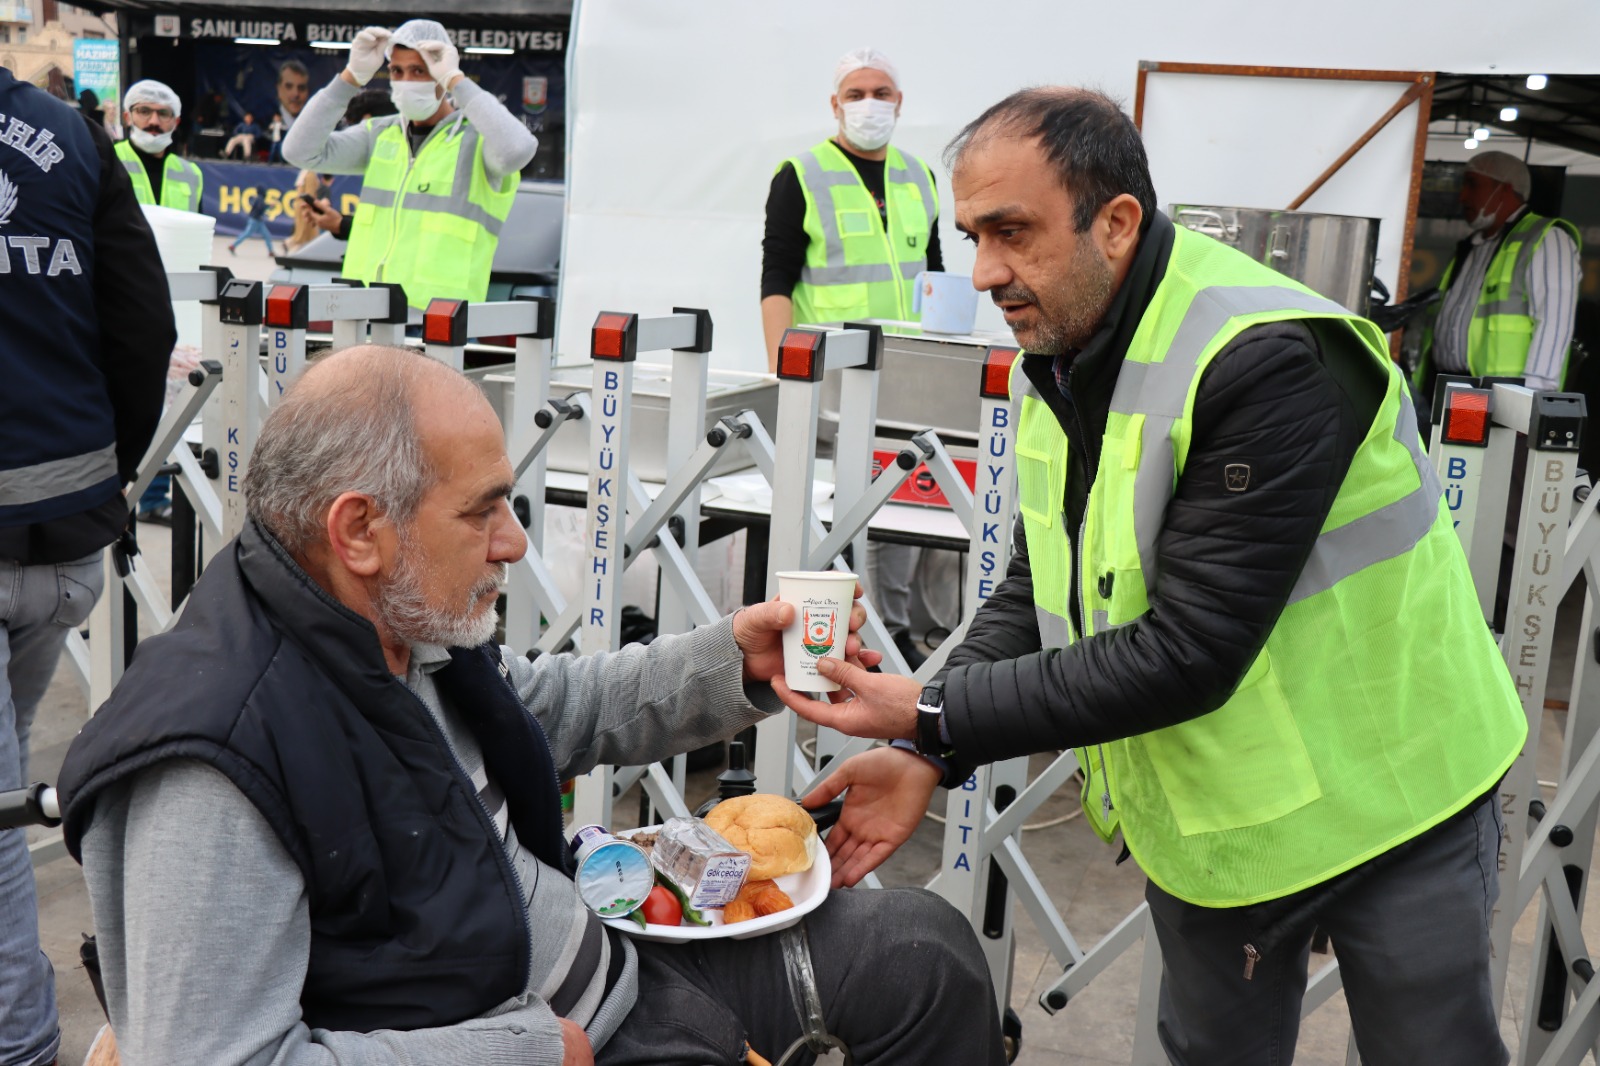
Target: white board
679, 111
1277, 135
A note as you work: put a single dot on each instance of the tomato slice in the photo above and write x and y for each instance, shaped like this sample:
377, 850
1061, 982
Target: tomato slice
661, 907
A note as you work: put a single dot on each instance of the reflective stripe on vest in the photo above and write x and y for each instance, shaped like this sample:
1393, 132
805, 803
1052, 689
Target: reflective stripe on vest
432, 243
882, 261
1379, 705
1501, 331
58, 477
181, 180
1160, 391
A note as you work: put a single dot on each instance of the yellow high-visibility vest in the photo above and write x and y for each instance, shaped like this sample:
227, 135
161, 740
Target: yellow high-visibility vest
429, 224
856, 266
1502, 329
1379, 706
181, 180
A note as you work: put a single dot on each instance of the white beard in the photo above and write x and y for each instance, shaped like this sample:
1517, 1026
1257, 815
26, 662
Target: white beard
402, 607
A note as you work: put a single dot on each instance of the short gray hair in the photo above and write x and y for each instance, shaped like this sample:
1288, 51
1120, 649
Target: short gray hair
320, 442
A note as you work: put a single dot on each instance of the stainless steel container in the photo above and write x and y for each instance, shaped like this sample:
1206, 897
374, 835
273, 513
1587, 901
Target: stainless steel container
927, 381
727, 392
1330, 254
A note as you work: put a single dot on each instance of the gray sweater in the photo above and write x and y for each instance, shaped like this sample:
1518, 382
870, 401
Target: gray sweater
315, 142
202, 918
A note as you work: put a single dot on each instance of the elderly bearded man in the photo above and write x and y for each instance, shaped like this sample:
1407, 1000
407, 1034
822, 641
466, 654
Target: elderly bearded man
1237, 594
339, 833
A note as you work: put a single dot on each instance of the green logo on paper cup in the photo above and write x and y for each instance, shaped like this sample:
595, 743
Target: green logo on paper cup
819, 629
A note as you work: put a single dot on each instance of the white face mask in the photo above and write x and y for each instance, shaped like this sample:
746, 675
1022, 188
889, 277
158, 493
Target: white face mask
868, 124
416, 100
1485, 219
149, 143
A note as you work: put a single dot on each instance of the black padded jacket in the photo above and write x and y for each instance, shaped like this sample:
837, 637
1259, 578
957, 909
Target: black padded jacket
1292, 404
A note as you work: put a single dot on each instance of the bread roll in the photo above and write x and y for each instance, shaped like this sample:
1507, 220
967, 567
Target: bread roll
775, 832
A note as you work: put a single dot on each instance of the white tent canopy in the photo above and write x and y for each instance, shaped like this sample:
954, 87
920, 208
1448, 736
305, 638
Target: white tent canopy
681, 109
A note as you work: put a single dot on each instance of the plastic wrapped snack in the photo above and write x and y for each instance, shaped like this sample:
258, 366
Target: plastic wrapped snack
708, 869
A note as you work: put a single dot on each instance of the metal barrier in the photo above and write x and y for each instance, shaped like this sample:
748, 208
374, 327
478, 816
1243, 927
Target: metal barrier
347, 309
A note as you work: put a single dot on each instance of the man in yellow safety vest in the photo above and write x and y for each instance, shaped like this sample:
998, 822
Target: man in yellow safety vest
850, 221
1236, 595
1511, 292
440, 176
160, 176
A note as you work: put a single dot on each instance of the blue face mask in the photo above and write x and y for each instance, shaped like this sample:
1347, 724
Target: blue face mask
416, 100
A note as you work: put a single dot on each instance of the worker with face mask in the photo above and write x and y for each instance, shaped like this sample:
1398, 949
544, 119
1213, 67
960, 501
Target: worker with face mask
1511, 292
439, 177
850, 221
850, 224
160, 176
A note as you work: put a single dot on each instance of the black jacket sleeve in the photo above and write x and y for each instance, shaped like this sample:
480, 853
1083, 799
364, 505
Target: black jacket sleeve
783, 245
1228, 562
935, 253
134, 309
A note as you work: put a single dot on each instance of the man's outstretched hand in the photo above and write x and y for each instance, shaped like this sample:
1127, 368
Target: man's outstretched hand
888, 793
876, 706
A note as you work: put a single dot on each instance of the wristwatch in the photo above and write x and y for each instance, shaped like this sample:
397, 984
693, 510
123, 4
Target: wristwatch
930, 713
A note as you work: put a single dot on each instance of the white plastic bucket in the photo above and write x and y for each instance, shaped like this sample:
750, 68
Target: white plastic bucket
184, 238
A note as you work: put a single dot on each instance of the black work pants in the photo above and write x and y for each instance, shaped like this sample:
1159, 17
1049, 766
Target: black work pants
900, 974
1412, 941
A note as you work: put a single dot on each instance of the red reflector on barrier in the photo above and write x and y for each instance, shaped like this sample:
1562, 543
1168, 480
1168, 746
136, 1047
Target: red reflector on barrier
610, 335
280, 305
1466, 416
797, 354
997, 363
437, 321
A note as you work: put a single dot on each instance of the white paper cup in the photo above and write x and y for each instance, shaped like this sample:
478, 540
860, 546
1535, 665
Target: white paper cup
822, 600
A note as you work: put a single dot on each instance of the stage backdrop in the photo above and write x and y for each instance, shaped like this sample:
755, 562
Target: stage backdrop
231, 189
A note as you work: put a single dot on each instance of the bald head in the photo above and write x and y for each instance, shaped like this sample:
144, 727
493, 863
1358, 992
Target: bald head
357, 421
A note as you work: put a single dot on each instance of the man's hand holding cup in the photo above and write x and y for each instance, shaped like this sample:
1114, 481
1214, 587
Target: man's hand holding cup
764, 631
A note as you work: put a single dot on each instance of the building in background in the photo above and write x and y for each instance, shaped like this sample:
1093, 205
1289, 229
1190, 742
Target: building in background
37, 38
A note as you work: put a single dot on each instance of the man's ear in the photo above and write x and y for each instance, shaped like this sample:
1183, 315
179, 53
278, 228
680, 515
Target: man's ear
353, 525
1117, 226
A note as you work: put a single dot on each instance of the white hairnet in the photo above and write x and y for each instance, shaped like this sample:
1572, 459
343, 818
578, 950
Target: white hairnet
1504, 168
410, 34
863, 59
154, 93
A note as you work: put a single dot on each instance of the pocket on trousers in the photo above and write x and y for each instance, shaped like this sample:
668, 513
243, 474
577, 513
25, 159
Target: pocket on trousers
1254, 736
78, 585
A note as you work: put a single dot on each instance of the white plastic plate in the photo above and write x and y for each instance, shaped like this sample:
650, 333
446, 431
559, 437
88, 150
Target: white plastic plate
807, 889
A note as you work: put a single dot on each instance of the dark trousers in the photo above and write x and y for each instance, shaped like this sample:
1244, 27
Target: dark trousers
899, 971
1412, 939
